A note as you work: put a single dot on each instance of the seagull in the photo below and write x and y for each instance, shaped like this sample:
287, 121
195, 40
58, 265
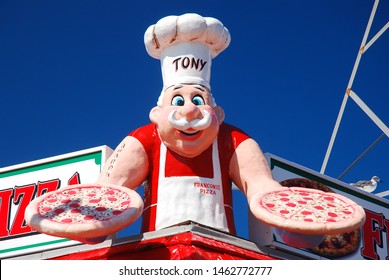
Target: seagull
367, 185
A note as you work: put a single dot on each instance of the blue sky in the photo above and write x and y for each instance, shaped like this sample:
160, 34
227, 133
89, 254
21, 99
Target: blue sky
76, 75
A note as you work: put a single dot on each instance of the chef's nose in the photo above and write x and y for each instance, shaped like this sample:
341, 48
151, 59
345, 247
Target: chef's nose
190, 112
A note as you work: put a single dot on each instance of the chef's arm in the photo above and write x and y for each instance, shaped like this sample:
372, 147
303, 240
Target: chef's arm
127, 166
250, 171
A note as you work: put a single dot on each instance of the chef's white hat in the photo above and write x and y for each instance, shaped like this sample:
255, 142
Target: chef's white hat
186, 45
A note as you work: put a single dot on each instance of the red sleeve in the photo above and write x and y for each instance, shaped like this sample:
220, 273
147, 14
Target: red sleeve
146, 135
229, 138
233, 135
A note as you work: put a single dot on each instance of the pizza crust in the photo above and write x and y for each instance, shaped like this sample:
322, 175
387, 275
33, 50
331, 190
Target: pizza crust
43, 221
291, 221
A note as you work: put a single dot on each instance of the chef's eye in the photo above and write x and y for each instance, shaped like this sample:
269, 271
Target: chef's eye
178, 100
198, 100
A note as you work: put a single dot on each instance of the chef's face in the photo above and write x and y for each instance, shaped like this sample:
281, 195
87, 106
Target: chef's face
187, 120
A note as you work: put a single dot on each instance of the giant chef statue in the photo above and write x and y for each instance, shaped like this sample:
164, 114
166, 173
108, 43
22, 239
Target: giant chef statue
188, 157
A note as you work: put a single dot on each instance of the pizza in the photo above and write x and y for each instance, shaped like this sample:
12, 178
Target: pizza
305, 183
332, 245
307, 211
338, 245
84, 211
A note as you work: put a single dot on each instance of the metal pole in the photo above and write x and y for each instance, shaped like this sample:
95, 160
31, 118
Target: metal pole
334, 132
370, 113
353, 73
383, 29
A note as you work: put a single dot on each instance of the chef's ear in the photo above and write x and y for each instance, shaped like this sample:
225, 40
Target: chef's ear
154, 114
219, 113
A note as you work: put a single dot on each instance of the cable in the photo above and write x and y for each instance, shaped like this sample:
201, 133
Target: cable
361, 156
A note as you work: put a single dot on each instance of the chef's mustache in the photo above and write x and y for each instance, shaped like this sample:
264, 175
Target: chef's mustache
183, 124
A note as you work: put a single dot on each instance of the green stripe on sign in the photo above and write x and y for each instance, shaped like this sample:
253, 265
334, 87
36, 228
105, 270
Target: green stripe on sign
33, 246
96, 156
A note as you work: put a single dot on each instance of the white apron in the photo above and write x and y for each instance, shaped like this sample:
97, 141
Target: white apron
194, 198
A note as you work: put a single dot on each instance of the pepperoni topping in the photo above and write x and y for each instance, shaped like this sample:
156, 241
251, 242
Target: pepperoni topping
59, 211
303, 193
75, 211
71, 192
125, 203
101, 209
74, 205
332, 214
312, 206
88, 218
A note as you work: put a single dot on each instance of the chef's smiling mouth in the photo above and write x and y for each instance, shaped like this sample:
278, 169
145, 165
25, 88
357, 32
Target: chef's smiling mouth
189, 133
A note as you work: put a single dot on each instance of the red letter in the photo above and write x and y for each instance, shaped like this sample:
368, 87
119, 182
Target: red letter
23, 195
5, 211
48, 186
372, 234
386, 222
75, 179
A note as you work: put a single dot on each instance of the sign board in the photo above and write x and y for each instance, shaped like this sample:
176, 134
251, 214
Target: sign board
19, 184
373, 237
